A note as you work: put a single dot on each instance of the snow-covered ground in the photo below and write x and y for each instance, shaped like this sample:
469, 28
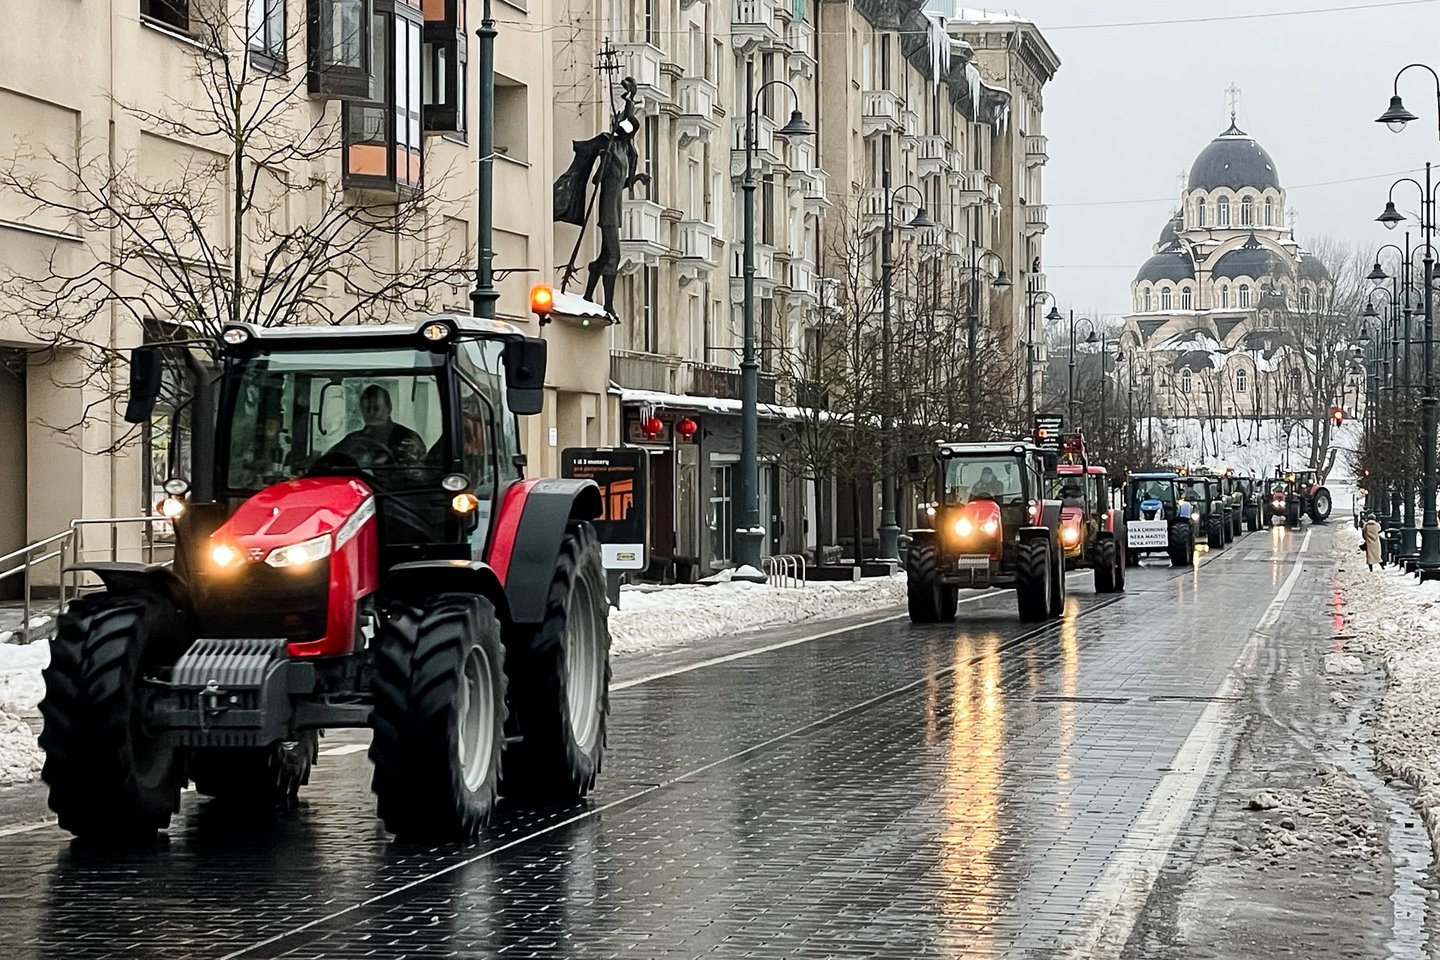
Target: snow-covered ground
650, 619
1249, 446
1397, 618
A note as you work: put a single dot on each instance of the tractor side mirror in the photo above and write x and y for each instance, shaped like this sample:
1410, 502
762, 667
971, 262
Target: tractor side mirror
915, 465
145, 365
525, 375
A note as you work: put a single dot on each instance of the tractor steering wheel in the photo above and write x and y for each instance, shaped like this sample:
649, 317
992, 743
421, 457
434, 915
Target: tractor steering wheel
349, 452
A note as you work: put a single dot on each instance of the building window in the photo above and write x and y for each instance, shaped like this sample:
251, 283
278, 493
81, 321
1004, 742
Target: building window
265, 32
650, 309
1224, 296
383, 142
172, 13
1146, 294
442, 87
342, 53
1185, 383
1222, 212
512, 119
1244, 296
1185, 298
1241, 381
721, 519
1304, 298
1247, 212
1269, 212
1294, 382
1165, 298
1200, 211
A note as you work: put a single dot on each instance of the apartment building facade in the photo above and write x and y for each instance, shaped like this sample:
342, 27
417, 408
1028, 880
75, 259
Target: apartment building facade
118, 96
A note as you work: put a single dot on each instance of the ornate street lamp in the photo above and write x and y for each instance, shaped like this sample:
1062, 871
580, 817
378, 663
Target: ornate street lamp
1033, 298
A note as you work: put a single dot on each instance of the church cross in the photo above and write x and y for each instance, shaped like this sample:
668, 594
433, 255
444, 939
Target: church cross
1232, 93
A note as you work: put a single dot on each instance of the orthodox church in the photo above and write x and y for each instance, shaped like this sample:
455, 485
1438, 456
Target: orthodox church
1205, 334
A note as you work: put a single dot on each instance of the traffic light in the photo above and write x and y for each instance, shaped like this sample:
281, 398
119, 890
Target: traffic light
542, 301
1337, 415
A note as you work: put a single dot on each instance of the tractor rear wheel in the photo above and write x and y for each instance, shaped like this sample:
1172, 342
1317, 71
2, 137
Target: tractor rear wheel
439, 716
1252, 520
111, 776
949, 603
562, 684
1182, 545
922, 584
1107, 567
1292, 513
256, 778
1320, 505
1032, 580
1215, 532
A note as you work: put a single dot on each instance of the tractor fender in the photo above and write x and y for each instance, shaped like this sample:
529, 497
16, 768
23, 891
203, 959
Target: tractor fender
1114, 522
922, 535
1050, 514
1035, 533
424, 578
528, 533
129, 579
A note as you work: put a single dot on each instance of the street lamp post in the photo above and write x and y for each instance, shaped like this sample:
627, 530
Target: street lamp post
1001, 282
749, 533
484, 297
1033, 298
889, 528
1396, 117
1074, 322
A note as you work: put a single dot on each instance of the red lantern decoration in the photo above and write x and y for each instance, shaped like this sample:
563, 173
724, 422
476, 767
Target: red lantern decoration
653, 427
687, 428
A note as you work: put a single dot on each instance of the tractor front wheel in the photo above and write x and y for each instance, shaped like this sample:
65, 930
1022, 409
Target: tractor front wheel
562, 684
256, 778
922, 584
111, 777
1032, 580
1108, 572
1320, 505
1215, 532
439, 716
1182, 545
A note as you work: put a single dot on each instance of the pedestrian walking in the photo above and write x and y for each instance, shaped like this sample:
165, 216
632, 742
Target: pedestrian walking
1372, 542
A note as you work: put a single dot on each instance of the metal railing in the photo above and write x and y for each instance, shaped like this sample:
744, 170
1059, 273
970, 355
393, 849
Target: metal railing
68, 548
784, 570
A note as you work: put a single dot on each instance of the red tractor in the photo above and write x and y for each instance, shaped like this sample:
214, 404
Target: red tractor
1092, 531
356, 546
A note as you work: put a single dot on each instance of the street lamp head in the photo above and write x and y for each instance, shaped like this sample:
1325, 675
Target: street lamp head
797, 127
1377, 273
922, 221
1392, 218
1090, 337
1054, 315
1002, 281
1397, 116
1370, 312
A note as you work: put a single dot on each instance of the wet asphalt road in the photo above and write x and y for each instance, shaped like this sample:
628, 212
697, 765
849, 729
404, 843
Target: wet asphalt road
970, 790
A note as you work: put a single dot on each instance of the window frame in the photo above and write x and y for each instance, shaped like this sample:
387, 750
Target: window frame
444, 70
271, 53
1186, 380
1242, 380
1244, 296
329, 80
150, 12
1247, 212
1222, 212
1166, 299
1187, 298
390, 17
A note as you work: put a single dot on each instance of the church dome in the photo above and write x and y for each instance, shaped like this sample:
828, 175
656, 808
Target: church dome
1171, 233
1250, 260
1169, 265
1236, 161
1314, 270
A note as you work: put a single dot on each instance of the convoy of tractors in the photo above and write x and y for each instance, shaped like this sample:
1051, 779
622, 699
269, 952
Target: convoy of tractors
1021, 514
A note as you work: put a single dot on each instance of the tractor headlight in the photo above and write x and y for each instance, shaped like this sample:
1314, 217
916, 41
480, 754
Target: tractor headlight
464, 503
224, 555
990, 527
963, 527
170, 507
301, 554
1069, 535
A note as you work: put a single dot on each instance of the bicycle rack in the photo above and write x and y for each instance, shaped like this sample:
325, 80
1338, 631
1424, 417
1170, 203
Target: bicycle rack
785, 570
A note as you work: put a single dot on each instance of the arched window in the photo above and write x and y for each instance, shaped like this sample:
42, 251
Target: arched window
1247, 212
1185, 298
1224, 296
1147, 299
1241, 380
1269, 212
1164, 298
1244, 296
1200, 212
1185, 380
1294, 382
1222, 212
1304, 298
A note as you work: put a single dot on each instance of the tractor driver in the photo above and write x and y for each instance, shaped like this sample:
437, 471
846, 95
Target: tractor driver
988, 485
381, 441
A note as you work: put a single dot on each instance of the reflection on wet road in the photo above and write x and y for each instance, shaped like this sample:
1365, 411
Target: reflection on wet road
955, 791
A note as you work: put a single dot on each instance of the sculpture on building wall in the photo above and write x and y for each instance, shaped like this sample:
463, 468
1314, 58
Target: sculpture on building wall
617, 171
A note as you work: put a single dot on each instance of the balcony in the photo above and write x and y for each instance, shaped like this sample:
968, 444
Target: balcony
696, 240
640, 241
766, 148
872, 207
696, 97
800, 38
643, 62
977, 187
1037, 151
1036, 219
764, 271
935, 157
934, 242
646, 371
753, 26
910, 124
804, 283
811, 182
711, 380
880, 112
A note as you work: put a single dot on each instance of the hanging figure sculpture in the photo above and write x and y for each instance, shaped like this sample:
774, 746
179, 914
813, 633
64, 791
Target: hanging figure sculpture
617, 173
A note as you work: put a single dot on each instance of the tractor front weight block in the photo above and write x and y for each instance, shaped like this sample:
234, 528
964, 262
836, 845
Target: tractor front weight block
233, 693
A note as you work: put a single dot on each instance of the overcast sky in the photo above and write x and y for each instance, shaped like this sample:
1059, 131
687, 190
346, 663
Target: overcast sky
1132, 106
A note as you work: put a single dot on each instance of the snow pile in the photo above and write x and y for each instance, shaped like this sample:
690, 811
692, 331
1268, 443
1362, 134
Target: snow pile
20, 666
1397, 618
653, 619
20, 755
1250, 446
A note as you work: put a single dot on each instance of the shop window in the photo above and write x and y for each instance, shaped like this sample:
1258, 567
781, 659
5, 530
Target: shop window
265, 32
444, 57
172, 13
383, 141
342, 61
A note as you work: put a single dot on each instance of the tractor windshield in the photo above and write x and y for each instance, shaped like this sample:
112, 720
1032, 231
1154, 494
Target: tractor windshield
1001, 479
1162, 490
1069, 488
295, 412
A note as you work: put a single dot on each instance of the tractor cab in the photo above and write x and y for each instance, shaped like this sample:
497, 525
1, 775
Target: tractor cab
1162, 514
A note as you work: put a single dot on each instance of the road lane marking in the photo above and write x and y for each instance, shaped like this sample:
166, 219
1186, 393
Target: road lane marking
345, 749
1134, 865
1305, 544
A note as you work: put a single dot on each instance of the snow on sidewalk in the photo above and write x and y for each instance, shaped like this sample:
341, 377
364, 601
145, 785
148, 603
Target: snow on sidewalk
1397, 618
650, 619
